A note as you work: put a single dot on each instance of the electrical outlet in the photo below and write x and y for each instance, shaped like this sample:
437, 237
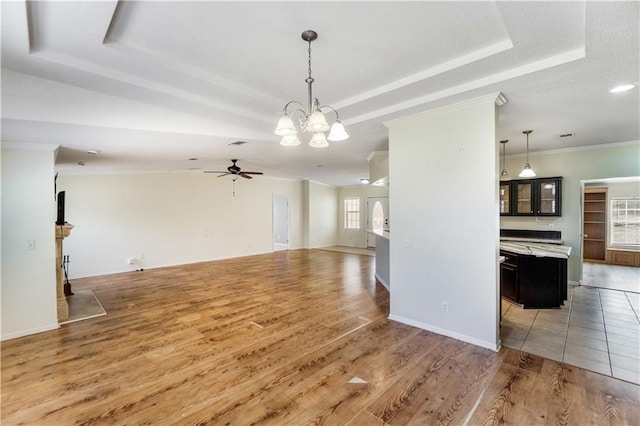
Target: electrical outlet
31, 244
131, 261
445, 307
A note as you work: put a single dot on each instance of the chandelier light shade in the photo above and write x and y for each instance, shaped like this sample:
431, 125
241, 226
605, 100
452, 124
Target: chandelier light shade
311, 119
290, 140
504, 174
527, 171
318, 140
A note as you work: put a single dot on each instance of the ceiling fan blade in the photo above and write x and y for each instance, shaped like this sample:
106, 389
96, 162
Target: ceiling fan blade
253, 173
213, 171
225, 174
244, 175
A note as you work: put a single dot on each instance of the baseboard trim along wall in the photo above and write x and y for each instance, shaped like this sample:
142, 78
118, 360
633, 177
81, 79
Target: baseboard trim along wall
29, 331
383, 282
494, 346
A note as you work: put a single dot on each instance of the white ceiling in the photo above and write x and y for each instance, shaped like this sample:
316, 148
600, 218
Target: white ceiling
152, 84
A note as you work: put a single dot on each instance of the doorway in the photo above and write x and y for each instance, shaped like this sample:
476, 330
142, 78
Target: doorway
280, 222
610, 225
377, 215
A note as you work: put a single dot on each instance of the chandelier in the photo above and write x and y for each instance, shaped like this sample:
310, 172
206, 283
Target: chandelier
311, 119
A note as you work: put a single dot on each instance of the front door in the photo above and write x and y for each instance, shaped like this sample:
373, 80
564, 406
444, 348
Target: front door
377, 214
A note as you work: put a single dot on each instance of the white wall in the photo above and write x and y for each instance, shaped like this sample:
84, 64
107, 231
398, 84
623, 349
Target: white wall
170, 218
444, 210
615, 160
28, 213
322, 215
357, 237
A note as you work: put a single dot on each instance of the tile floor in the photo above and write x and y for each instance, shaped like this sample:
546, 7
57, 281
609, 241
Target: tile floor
598, 329
615, 277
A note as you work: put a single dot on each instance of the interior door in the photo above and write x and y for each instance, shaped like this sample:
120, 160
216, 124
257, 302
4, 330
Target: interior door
280, 222
377, 214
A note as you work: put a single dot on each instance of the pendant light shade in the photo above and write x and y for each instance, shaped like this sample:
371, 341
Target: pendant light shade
337, 132
317, 122
527, 171
285, 126
290, 140
504, 174
318, 140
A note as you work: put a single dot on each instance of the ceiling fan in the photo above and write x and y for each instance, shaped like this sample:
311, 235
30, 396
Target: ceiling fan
234, 171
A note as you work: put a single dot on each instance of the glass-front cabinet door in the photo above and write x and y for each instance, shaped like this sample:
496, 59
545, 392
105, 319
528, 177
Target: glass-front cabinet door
505, 198
548, 197
524, 197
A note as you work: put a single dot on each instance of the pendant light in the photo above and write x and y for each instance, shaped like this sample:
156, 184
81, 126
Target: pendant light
504, 174
527, 171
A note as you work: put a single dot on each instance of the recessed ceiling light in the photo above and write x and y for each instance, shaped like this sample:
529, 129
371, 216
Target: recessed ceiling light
80, 163
622, 88
93, 151
237, 143
192, 159
364, 181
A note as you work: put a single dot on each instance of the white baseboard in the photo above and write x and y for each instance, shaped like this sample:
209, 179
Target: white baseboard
494, 346
383, 282
29, 331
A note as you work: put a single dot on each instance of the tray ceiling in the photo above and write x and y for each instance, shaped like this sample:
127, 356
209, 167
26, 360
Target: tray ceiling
151, 84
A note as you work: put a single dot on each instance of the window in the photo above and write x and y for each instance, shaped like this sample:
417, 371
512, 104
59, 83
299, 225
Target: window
352, 213
625, 222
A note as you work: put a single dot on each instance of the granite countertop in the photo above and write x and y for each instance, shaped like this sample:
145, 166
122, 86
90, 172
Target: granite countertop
536, 249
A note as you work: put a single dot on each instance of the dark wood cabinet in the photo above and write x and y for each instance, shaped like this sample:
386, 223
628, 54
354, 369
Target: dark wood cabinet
509, 277
505, 199
532, 281
523, 195
548, 197
532, 197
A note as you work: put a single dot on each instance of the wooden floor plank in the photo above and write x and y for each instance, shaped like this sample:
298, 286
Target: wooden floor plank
275, 339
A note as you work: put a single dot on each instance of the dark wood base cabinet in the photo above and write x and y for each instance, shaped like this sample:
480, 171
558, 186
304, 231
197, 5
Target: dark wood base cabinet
533, 282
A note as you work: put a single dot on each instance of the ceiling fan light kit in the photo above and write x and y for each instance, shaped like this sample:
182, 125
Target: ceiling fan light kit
312, 119
527, 171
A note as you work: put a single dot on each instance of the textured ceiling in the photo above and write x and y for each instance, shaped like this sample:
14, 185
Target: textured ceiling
151, 84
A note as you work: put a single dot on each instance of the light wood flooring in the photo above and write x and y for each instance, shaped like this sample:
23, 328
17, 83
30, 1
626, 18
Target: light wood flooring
352, 250
277, 339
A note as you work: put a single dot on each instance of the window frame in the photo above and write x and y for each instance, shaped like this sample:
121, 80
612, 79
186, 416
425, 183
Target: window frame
349, 213
624, 244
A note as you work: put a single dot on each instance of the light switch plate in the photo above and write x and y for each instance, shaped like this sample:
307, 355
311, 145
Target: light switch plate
31, 244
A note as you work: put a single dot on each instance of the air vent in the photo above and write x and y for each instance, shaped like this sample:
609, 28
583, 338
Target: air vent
566, 135
238, 143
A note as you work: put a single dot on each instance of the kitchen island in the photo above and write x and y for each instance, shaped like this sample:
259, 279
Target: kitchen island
382, 257
534, 273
